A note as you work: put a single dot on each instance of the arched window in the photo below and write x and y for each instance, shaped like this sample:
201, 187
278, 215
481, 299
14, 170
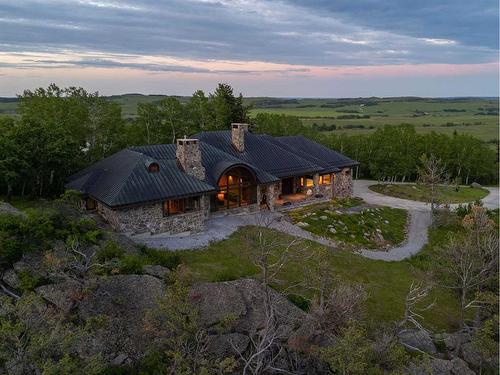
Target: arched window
237, 187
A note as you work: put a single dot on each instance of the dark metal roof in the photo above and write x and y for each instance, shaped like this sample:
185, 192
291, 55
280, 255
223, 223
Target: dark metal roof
123, 178
261, 153
328, 159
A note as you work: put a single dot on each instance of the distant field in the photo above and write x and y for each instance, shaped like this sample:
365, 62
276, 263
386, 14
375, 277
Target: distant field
475, 116
478, 117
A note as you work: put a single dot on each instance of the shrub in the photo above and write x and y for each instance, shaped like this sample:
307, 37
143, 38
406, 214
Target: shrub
226, 275
161, 257
299, 301
132, 264
109, 251
28, 281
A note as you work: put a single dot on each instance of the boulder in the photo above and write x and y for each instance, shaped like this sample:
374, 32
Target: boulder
63, 295
8, 209
471, 355
122, 301
302, 224
156, 271
454, 367
417, 340
10, 278
475, 185
242, 302
225, 345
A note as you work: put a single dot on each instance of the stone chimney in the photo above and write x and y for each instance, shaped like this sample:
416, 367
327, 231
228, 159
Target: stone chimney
238, 135
188, 156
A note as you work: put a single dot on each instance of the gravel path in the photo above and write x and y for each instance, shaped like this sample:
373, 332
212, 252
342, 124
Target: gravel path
222, 227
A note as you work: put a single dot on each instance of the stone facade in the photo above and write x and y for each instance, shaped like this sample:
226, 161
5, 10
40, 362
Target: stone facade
188, 155
150, 219
238, 135
343, 184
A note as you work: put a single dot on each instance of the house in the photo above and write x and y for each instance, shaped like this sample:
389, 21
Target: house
175, 188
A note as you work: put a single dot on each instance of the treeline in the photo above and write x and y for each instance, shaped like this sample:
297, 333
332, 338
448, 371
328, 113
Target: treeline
393, 152
62, 130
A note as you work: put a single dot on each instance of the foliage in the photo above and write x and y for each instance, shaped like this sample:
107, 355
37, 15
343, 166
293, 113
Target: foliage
132, 264
161, 257
110, 250
34, 339
354, 353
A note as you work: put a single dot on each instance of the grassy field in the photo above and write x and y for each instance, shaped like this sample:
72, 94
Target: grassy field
474, 116
386, 282
366, 227
446, 194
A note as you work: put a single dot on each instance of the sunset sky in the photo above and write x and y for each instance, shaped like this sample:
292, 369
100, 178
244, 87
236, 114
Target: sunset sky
289, 48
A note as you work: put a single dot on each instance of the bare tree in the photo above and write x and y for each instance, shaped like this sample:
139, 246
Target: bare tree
432, 173
83, 262
270, 253
472, 261
413, 309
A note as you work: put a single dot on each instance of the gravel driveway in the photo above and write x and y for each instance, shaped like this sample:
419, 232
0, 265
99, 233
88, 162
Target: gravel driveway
222, 227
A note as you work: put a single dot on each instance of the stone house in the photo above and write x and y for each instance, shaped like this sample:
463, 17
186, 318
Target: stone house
176, 188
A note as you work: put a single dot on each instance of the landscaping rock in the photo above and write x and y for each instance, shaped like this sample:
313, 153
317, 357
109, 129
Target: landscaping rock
323, 217
475, 185
333, 230
63, 295
156, 271
416, 340
302, 224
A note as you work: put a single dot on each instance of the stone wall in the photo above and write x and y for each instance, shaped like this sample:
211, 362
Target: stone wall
343, 184
149, 218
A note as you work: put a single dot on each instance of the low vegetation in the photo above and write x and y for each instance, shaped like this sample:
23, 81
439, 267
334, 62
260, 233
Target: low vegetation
362, 227
419, 192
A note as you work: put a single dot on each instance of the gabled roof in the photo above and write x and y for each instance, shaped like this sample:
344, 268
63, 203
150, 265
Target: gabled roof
123, 178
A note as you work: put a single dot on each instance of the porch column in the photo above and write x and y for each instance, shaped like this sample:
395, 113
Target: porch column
316, 183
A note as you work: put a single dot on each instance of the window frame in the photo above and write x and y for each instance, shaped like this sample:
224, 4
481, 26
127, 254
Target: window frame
322, 177
183, 204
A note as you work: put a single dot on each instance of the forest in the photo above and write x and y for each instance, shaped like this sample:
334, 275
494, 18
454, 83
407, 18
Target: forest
59, 131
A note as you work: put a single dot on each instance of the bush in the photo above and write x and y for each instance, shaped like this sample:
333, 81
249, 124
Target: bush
299, 301
132, 264
109, 251
28, 281
161, 257
226, 275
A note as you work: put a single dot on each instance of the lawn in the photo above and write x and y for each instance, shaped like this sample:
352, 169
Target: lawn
364, 227
417, 192
386, 282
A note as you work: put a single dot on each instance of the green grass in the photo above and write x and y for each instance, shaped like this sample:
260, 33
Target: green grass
386, 282
372, 227
416, 192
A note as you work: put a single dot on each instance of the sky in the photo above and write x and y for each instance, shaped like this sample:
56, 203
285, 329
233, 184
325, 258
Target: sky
283, 48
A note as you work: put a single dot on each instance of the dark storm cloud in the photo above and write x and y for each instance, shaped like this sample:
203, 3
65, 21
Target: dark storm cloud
342, 32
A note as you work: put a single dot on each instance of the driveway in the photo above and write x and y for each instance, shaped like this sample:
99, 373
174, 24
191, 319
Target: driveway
222, 227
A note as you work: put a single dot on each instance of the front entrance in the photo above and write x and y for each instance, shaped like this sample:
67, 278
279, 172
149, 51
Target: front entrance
287, 186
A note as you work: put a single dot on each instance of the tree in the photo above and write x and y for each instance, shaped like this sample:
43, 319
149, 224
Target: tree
199, 112
171, 111
432, 173
471, 261
226, 107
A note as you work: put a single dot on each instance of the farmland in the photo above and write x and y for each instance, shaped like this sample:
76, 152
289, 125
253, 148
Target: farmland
475, 116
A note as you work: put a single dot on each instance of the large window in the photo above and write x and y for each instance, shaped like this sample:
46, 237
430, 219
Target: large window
307, 181
178, 206
325, 179
236, 188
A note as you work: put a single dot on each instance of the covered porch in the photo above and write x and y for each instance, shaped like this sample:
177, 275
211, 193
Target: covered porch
297, 189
